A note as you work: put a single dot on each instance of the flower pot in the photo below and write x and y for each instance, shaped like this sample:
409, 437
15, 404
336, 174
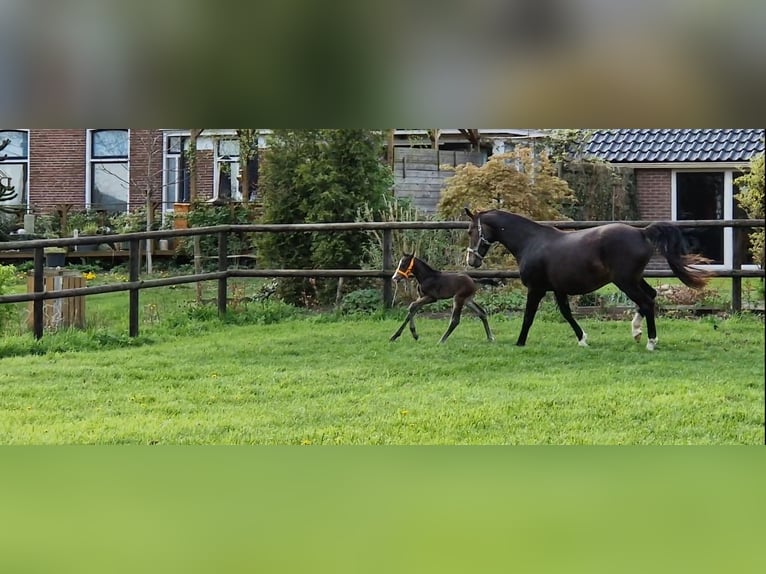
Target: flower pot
181, 211
55, 257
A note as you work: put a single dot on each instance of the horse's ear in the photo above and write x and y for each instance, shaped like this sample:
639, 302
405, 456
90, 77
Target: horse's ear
468, 212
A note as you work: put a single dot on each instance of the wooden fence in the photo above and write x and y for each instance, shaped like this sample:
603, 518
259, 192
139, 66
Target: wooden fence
135, 284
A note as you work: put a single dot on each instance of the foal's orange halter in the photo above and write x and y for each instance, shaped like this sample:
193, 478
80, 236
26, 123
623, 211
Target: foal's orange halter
408, 272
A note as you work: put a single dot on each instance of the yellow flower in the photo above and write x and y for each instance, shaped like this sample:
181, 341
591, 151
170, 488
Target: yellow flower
89, 275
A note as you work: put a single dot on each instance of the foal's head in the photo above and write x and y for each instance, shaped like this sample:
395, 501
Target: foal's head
479, 240
405, 267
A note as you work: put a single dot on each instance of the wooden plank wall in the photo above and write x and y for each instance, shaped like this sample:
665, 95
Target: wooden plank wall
417, 173
64, 312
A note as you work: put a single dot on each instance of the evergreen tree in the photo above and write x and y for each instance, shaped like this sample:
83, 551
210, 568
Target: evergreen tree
319, 176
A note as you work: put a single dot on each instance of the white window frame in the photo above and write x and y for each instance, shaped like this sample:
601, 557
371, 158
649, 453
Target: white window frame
170, 189
90, 160
728, 211
22, 197
232, 160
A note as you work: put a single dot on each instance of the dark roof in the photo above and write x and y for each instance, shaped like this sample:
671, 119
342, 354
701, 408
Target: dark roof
680, 145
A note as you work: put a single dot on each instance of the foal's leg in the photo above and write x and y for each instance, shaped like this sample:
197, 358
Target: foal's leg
411, 310
641, 297
482, 313
638, 317
457, 309
562, 300
534, 296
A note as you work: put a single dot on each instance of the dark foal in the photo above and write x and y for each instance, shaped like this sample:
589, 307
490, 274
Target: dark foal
578, 262
434, 285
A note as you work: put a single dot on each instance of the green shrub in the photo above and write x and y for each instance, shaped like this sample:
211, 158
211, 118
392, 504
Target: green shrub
7, 278
361, 301
751, 199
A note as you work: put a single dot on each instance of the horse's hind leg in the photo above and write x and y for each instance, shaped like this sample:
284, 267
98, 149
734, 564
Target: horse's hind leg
457, 309
482, 313
642, 297
563, 302
638, 317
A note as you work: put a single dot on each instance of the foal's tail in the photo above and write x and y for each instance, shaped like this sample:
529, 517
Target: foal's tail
670, 242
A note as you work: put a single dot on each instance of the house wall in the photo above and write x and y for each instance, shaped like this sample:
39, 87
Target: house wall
58, 165
56, 168
653, 190
418, 174
205, 168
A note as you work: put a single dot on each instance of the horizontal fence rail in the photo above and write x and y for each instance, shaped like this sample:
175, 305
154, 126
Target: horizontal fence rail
134, 284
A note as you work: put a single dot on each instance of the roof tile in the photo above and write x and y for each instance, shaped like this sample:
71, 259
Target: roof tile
676, 145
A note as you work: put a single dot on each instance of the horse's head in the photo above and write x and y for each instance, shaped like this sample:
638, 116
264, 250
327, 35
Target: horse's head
405, 267
479, 240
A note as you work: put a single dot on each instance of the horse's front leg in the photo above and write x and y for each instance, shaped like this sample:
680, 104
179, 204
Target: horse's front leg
562, 300
411, 310
396, 335
534, 296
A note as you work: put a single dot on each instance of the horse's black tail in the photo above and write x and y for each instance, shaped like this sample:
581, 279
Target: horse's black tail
670, 242
488, 281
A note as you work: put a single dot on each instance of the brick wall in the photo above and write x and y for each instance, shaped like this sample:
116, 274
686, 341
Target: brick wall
205, 162
653, 188
58, 161
56, 168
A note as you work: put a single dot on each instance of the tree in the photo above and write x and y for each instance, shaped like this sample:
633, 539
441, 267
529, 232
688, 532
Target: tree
751, 198
248, 160
320, 176
601, 191
516, 181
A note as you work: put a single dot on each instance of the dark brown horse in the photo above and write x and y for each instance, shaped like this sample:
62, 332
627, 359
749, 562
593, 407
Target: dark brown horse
434, 285
578, 262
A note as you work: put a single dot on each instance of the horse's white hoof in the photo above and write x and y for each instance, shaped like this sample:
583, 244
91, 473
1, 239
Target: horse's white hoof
584, 341
651, 344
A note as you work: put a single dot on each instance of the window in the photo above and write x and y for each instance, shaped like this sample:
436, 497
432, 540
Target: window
109, 172
176, 173
14, 165
710, 195
226, 176
700, 195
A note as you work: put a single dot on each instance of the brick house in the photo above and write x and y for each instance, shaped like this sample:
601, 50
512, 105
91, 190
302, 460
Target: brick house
686, 174
113, 169
680, 173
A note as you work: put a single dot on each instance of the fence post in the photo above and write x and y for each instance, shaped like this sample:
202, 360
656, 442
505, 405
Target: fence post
134, 271
736, 282
223, 265
39, 287
388, 263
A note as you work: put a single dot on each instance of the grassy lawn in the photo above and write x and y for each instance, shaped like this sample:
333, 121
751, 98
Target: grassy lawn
192, 379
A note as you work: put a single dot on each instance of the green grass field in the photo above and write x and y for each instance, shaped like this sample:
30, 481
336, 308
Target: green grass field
310, 380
